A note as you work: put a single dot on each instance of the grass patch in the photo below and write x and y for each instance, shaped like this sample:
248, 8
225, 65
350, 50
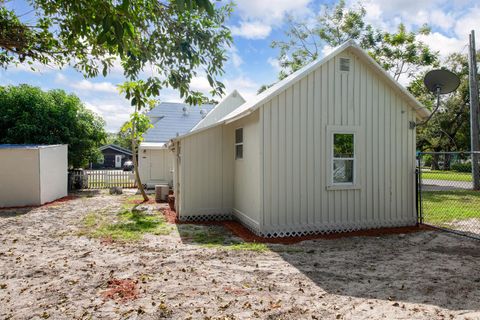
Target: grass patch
446, 175
216, 237
441, 207
128, 224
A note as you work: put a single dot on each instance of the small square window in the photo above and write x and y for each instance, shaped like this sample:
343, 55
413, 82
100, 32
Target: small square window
239, 143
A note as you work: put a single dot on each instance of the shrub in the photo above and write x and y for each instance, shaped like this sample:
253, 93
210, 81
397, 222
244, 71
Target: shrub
462, 167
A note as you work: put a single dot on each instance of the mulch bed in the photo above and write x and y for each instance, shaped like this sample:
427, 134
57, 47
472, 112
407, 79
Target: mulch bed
246, 235
121, 290
52, 203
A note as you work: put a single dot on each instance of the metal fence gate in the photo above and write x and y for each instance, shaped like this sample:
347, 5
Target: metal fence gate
446, 195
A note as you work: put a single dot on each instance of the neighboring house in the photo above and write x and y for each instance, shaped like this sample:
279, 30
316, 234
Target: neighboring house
32, 175
330, 148
113, 157
170, 120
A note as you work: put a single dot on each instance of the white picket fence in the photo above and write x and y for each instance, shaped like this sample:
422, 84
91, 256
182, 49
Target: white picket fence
101, 179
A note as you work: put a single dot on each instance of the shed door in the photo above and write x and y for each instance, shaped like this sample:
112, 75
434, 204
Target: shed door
118, 161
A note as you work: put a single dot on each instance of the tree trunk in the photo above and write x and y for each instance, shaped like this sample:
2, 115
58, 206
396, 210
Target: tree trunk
435, 160
135, 163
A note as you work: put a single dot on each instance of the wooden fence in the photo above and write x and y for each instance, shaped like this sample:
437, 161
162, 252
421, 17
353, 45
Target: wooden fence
101, 179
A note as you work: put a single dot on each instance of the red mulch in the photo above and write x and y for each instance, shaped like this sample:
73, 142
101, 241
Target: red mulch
52, 203
121, 289
242, 232
141, 201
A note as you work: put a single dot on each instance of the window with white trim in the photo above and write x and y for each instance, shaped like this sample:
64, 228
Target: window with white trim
239, 143
343, 162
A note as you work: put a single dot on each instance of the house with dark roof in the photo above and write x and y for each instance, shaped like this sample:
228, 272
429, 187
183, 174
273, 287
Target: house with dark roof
169, 120
114, 157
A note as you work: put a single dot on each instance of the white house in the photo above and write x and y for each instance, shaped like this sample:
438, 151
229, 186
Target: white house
170, 120
330, 148
32, 174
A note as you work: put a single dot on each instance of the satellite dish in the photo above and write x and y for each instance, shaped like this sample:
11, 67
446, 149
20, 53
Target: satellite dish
441, 81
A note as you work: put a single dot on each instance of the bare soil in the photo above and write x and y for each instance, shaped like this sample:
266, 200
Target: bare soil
49, 270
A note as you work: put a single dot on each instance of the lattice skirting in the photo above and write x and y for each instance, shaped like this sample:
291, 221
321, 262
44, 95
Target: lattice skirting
305, 230
206, 217
300, 230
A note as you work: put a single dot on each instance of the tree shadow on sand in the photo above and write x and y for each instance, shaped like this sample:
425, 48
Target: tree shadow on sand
426, 267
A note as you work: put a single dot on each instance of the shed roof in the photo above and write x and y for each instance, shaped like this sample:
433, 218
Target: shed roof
28, 146
170, 120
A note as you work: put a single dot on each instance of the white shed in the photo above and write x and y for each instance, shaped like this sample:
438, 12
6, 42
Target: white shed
330, 148
32, 174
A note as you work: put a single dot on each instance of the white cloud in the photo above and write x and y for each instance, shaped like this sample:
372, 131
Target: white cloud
200, 83
85, 85
275, 64
441, 43
235, 58
246, 86
466, 23
259, 17
252, 30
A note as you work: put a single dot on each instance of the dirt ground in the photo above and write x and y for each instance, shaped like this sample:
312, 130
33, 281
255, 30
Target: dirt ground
51, 269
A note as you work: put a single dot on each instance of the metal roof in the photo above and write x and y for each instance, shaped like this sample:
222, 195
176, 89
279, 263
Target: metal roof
254, 103
27, 146
170, 120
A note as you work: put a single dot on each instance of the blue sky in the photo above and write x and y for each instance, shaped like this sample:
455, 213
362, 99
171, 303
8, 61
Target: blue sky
252, 62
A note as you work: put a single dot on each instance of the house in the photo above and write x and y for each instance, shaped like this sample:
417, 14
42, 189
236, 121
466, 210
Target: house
170, 120
114, 157
330, 148
31, 174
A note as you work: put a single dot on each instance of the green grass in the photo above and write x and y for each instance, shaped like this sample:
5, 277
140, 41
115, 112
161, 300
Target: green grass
216, 237
443, 207
446, 175
128, 224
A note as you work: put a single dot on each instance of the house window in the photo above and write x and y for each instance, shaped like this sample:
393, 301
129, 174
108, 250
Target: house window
343, 158
239, 143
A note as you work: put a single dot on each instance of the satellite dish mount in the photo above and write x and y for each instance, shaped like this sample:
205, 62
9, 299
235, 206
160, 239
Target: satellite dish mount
439, 82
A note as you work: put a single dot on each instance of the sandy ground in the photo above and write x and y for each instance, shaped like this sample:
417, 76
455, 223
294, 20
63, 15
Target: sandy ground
49, 271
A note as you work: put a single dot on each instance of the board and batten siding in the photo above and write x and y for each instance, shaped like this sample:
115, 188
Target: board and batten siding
246, 178
296, 160
206, 174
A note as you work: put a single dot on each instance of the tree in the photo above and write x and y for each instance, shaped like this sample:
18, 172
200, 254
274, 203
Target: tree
399, 53
449, 127
32, 116
332, 27
157, 43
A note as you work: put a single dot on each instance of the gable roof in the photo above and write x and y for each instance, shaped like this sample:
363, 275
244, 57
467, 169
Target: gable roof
254, 103
116, 148
172, 119
228, 104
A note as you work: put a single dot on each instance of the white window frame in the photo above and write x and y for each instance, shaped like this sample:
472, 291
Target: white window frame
239, 143
357, 141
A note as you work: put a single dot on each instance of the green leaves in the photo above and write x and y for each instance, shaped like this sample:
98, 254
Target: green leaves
30, 115
168, 40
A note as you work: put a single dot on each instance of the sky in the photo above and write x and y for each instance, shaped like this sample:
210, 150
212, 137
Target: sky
252, 62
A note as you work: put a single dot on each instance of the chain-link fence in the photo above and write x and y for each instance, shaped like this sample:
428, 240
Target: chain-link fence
449, 192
